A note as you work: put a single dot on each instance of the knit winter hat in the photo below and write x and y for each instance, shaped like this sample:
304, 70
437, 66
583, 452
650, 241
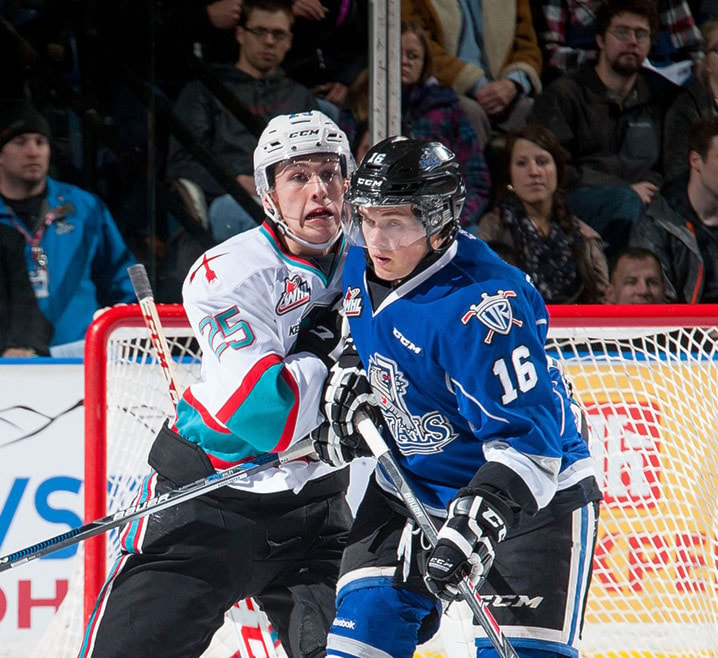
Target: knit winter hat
19, 117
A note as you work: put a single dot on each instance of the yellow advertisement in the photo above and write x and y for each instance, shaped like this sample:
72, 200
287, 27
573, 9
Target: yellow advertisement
654, 436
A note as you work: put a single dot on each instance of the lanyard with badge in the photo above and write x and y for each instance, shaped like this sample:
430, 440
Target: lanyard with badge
39, 275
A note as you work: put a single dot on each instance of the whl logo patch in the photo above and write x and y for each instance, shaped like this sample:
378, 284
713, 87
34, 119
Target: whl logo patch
296, 292
495, 313
352, 303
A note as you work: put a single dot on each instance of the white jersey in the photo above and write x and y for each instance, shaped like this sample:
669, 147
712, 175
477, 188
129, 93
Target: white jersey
247, 300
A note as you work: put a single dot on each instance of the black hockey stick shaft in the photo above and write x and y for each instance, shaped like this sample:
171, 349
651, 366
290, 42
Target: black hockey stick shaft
383, 454
153, 505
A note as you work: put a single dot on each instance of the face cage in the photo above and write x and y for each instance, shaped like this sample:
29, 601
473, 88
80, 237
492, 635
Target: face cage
434, 212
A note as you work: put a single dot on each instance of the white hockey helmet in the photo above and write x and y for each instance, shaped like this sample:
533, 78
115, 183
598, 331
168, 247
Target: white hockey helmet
289, 136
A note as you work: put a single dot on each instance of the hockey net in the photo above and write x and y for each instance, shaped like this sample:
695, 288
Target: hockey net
647, 378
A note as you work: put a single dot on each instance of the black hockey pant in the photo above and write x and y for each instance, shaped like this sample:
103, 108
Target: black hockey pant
185, 566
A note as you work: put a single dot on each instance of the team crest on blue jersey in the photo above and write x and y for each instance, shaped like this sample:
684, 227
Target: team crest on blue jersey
353, 302
495, 313
414, 435
296, 292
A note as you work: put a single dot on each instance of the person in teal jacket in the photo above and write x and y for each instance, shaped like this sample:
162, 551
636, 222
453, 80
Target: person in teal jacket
76, 256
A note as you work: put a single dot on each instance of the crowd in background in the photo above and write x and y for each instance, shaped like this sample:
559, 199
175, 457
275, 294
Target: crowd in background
587, 131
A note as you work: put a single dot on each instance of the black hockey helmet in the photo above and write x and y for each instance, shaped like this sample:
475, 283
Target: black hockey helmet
401, 171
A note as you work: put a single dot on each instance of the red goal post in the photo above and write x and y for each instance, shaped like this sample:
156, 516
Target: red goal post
97, 364
647, 377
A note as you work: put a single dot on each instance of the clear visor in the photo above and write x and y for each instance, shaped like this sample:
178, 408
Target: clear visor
382, 228
321, 169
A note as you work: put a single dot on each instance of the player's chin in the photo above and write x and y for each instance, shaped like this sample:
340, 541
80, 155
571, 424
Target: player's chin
321, 231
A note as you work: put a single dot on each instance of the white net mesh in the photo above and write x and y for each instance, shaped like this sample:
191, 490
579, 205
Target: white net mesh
137, 403
651, 395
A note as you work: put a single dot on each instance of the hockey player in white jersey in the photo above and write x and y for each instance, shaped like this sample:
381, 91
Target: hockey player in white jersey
252, 302
452, 340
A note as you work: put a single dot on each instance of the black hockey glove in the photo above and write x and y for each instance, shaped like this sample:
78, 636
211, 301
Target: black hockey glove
332, 450
322, 334
346, 390
465, 546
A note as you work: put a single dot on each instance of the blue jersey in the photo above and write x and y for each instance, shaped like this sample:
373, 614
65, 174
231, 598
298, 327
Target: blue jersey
456, 358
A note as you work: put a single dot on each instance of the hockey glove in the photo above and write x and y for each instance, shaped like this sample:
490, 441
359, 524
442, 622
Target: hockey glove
330, 449
346, 390
465, 546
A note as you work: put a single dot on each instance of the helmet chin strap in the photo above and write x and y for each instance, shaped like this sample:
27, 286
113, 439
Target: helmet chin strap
275, 215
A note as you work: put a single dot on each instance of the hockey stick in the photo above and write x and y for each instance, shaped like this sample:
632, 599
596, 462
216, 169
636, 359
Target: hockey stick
143, 292
381, 451
242, 611
153, 505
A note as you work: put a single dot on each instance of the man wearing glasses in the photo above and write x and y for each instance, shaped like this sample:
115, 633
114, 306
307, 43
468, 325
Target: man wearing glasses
608, 116
264, 34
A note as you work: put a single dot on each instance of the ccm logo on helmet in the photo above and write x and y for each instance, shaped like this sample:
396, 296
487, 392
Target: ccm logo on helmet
369, 182
304, 133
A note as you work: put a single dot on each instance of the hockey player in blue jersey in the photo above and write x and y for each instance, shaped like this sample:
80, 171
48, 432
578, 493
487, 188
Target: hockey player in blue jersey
278, 535
452, 341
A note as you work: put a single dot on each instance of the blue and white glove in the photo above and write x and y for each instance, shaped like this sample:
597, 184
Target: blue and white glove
465, 546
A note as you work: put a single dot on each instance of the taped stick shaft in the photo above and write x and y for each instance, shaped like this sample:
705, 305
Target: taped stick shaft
143, 292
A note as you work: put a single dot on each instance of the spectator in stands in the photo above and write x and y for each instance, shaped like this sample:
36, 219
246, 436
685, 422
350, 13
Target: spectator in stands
24, 330
636, 277
164, 37
75, 255
696, 101
681, 227
429, 111
487, 52
565, 31
329, 46
608, 116
532, 227
264, 35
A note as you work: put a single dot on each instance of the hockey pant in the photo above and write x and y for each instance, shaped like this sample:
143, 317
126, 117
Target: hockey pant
181, 569
383, 608
536, 589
